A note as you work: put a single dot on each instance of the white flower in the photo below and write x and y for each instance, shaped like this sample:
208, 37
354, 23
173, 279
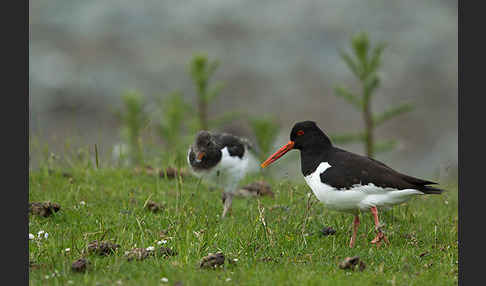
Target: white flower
41, 232
55, 273
235, 259
46, 235
82, 203
228, 279
31, 236
150, 248
67, 249
164, 280
162, 242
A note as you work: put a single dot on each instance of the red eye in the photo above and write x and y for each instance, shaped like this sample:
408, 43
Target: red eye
300, 132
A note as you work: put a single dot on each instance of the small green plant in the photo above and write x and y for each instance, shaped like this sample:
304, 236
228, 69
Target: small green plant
201, 70
266, 131
364, 65
133, 119
174, 112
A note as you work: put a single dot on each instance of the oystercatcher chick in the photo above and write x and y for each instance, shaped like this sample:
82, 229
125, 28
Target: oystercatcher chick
222, 159
348, 182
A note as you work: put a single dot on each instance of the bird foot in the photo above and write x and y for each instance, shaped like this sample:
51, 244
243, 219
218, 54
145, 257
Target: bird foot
379, 238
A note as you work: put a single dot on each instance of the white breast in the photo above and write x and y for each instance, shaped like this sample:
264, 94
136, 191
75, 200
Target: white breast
228, 172
358, 197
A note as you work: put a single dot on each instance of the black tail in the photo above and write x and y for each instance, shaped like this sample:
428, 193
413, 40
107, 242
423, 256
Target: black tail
431, 190
421, 185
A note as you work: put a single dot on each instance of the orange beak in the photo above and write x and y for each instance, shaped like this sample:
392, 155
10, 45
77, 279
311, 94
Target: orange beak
286, 148
200, 155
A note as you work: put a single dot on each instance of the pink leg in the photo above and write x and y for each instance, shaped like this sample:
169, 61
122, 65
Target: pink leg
380, 236
355, 230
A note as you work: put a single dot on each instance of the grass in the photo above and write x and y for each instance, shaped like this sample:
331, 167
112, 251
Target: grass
287, 250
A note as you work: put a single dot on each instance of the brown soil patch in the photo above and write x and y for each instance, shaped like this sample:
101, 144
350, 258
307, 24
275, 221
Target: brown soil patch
212, 260
142, 253
258, 188
172, 173
80, 265
102, 247
154, 207
351, 262
327, 230
169, 172
43, 209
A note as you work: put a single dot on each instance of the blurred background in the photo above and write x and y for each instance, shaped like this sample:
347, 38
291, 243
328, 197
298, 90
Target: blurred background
279, 60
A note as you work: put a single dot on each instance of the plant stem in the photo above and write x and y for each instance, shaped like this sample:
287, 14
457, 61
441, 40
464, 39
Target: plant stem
368, 119
203, 112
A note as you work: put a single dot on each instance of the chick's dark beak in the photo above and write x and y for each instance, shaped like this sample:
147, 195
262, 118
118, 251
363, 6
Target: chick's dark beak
200, 155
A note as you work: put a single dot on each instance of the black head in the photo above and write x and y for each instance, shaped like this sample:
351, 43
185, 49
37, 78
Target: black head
204, 145
306, 135
203, 139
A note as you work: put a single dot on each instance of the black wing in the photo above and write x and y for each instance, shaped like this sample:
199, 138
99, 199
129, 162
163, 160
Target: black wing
235, 145
348, 169
410, 179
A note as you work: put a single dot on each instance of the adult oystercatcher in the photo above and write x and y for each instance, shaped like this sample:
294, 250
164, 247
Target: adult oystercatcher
349, 182
222, 159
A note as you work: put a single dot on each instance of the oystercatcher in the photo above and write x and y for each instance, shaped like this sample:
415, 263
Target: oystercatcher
348, 182
222, 159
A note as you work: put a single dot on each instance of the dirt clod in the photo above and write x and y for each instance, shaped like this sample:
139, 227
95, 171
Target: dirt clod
138, 254
148, 170
351, 262
258, 188
327, 230
142, 253
412, 238
80, 265
172, 173
212, 260
166, 252
44, 209
102, 247
153, 206
33, 265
